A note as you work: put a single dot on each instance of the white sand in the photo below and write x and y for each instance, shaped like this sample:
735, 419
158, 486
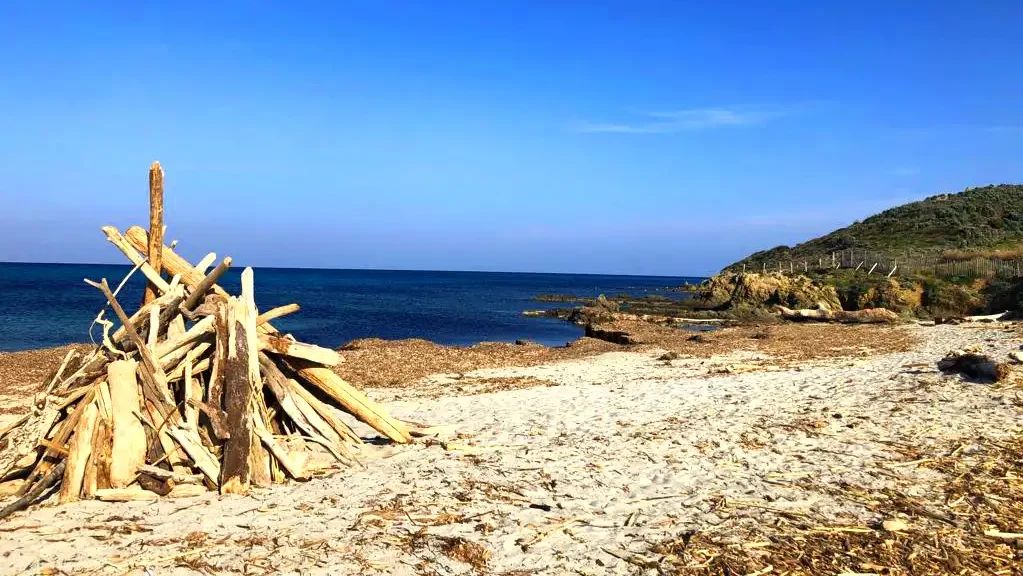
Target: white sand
625, 452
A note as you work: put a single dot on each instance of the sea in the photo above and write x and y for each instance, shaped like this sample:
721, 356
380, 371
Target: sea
44, 305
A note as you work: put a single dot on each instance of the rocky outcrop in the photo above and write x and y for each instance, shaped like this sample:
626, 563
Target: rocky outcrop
751, 290
891, 295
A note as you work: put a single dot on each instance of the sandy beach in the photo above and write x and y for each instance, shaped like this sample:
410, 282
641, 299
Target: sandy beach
618, 460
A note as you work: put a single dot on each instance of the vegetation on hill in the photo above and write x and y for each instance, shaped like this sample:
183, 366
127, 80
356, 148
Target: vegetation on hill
985, 221
982, 225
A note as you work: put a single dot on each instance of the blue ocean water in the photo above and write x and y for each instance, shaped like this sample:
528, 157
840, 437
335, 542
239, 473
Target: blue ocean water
45, 305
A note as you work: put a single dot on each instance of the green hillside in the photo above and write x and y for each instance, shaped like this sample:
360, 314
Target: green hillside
976, 219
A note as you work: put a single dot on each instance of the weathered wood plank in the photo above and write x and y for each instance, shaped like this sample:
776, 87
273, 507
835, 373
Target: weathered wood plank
128, 452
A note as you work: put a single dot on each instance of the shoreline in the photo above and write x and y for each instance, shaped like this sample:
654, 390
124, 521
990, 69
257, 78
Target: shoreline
605, 461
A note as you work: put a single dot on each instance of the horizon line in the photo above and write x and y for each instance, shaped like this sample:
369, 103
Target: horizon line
128, 265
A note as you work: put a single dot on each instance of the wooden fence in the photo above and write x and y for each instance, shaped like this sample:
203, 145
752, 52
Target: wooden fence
890, 264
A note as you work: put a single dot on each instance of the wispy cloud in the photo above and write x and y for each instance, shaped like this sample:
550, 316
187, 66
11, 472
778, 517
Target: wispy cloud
683, 120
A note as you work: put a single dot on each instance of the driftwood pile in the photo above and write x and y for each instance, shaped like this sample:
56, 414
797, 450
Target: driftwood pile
194, 391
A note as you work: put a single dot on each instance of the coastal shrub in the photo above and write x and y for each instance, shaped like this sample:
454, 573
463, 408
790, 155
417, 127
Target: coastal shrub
944, 299
1005, 295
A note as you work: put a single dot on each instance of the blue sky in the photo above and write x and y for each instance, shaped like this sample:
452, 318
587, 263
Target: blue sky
570, 136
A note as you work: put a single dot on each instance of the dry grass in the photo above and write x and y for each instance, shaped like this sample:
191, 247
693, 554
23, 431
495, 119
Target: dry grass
970, 524
993, 254
375, 363
788, 341
27, 371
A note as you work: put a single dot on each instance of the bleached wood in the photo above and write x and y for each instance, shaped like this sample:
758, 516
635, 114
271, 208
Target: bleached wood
275, 313
210, 280
154, 329
192, 394
174, 363
176, 327
293, 463
97, 470
865, 316
287, 347
302, 414
115, 238
316, 412
79, 453
129, 437
986, 317
187, 491
355, 402
199, 330
133, 494
206, 262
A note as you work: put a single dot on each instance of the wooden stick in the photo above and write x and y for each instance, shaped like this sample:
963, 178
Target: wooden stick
354, 401
275, 313
155, 248
287, 347
316, 412
196, 332
206, 262
78, 456
174, 363
192, 394
154, 329
207, 282
115, 238
35, 492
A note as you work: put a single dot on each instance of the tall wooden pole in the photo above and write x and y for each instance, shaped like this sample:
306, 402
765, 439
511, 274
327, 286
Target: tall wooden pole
155, 252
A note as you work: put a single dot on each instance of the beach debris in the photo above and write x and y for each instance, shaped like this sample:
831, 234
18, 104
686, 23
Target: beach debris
822, 314
194, 391
974, 365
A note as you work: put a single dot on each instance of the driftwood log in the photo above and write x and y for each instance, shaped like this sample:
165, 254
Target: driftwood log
866, 316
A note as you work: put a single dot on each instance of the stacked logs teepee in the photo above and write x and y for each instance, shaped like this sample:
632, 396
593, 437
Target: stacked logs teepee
194, 391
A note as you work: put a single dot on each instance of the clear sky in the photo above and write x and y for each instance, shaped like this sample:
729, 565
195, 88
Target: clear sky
565, 136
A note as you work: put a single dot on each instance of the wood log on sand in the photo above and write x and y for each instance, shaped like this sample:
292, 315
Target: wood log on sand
866, 316
126, 423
